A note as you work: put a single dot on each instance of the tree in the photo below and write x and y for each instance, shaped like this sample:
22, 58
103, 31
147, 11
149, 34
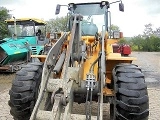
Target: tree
148, 31
149, 41
137, 42
4, 14
157, 32
123, 41
57, 25
113, 28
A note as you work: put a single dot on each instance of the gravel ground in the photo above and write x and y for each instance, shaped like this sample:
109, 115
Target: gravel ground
6, 80
149, 62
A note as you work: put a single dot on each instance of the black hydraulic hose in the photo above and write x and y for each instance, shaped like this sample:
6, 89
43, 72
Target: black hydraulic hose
93, 64
95, 44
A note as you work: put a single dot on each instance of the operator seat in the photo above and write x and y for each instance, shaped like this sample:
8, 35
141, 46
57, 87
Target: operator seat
89, 29
41, 40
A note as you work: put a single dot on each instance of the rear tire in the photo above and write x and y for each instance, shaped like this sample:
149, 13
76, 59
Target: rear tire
24, 91
131, 97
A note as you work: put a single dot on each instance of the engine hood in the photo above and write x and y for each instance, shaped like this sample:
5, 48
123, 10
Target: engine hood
15, 49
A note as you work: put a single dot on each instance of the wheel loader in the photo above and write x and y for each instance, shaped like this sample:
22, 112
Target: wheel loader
81, 68
15, 50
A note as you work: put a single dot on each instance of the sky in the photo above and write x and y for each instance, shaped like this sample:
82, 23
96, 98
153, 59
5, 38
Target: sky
131, 22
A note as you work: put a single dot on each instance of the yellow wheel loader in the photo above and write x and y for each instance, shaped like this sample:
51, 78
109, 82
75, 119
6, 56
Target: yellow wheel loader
82, 68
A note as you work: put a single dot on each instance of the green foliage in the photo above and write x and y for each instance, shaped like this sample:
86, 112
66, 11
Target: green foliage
123, 41
149, 41
149, 44
148, 31
4, 14
57, 25
114, 28
136, 42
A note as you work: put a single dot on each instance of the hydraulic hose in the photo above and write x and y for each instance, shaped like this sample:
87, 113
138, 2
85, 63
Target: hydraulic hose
93, 64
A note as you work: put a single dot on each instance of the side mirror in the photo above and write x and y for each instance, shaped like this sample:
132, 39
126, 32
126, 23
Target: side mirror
58, 7
121, 7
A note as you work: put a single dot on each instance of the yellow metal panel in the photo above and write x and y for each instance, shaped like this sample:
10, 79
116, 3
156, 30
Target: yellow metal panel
108, 81
88, 39
38, 21
108, 92
88, 63
112, 41
40, 57
117, 56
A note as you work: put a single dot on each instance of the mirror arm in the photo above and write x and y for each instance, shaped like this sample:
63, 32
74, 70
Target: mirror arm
64, 5
116, 2
58, 8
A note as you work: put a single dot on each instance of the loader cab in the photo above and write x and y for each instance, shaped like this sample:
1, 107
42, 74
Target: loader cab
26, 28
96, 13
93, 19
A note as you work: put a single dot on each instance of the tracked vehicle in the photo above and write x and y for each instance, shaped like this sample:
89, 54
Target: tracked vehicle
15, 51
81, 68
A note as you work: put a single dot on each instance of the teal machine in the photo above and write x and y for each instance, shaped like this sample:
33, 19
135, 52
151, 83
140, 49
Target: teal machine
16, 50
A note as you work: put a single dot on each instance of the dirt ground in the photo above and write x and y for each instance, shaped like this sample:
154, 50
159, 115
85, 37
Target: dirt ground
149, 62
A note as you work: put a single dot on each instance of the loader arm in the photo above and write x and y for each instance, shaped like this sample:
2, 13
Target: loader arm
62, 94
71, 81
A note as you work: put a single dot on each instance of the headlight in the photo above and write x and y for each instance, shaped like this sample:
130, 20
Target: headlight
116, 34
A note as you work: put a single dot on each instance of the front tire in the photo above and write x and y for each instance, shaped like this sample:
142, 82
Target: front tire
24, 91
131, 97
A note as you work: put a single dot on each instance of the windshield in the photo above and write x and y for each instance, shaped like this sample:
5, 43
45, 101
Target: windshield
94, 21
93, 15
89, 9
22, 30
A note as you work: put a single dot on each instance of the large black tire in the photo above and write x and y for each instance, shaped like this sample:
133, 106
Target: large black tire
131, 98
24, 91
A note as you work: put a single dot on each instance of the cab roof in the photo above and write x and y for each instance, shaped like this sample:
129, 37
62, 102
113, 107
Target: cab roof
26, 20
